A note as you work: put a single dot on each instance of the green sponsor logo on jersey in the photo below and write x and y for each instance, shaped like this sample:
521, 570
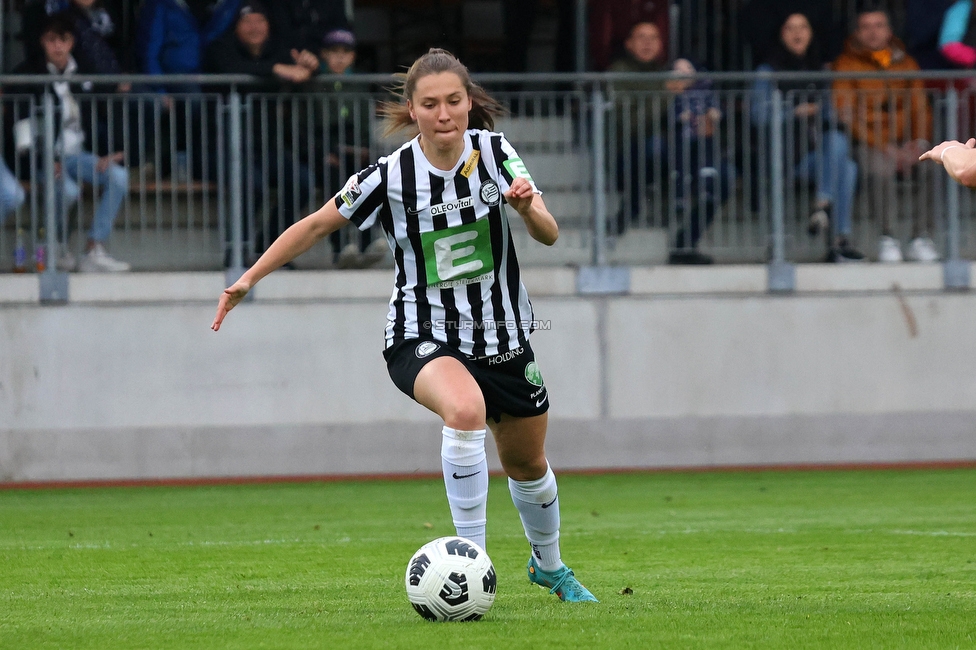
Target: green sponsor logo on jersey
517, 169
532, 374
459, 255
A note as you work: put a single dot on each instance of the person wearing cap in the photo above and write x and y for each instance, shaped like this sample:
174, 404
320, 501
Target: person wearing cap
345, 132
338, 52
250, 49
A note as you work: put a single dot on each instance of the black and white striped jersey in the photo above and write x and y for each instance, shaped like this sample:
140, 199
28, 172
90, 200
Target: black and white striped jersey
457, 276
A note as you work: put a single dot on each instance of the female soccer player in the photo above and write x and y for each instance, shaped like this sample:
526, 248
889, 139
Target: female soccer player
457, 336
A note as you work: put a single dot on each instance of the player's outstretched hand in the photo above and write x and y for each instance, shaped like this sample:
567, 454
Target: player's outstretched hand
935, 153
519, 195
229, 299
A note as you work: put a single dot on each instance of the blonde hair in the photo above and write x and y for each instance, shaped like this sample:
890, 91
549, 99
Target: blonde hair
396, 115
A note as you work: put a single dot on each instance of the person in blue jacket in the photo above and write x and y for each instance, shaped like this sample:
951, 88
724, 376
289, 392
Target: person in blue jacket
171, 38
173, 34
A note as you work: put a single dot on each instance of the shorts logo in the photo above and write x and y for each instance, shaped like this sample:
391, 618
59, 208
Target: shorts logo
489, 193
426, 349
532, 374
504, 356
351, 191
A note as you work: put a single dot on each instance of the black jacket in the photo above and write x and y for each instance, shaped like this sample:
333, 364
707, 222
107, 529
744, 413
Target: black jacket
226, 55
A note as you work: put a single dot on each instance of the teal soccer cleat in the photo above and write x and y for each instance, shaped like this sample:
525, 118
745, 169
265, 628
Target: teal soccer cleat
562, 583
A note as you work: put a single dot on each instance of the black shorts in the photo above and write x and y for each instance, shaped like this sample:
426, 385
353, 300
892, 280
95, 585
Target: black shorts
511, 381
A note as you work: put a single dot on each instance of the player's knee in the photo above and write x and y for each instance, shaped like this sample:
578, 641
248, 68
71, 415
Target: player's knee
524, 469
466, 413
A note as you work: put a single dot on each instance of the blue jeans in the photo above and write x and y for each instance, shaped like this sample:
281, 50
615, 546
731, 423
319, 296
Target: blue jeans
11, 193
835, 174
114, 183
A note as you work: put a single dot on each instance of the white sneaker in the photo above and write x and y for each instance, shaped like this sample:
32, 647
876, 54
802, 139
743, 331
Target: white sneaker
922, 249
889, 249
97, 260
67, 262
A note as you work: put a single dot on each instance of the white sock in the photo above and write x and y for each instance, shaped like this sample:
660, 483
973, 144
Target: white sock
538, 506
465, 468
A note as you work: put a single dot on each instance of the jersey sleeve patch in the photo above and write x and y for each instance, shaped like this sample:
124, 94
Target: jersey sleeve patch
350, 191
516, 168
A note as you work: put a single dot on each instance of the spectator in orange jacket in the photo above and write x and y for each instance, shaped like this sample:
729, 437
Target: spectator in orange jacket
888, 118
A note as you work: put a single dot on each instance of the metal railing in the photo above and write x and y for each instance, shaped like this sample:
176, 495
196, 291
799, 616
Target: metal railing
632, 170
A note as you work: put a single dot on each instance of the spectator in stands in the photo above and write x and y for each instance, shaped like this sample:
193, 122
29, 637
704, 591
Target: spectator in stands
75, 163
345, 133
957, 35
172, 34
888, 118
760, 22
11, 193
304, 23
98, 40
821, 153
923, 22
249, 49
702, 176
98, 47
643, 52
611, 24
171, 37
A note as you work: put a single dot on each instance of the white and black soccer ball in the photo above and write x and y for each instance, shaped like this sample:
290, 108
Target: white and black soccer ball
451, 579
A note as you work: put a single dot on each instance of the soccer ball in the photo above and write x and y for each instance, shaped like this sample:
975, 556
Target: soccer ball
451, 579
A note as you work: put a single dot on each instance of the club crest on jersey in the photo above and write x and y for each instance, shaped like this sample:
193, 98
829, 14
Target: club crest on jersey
350, 192
426, 349
489, 193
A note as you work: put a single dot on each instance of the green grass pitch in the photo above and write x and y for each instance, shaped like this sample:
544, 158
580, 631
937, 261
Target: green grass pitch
793, 559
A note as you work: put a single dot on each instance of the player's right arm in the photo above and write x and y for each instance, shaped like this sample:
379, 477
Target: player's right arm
298, 238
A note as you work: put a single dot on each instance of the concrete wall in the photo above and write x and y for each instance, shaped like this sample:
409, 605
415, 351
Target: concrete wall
693, 367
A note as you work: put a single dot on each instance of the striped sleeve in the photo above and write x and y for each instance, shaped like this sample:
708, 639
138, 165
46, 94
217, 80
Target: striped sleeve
363, 195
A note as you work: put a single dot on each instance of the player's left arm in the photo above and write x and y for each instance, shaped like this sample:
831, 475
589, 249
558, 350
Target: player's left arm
540, 223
